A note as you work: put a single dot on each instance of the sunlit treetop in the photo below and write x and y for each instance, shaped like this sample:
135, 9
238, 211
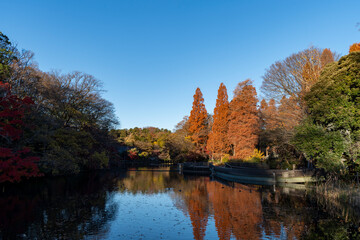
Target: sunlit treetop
354, 48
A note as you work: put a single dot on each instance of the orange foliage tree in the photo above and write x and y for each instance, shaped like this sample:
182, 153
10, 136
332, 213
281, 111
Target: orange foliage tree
218, 142
354, 48
269, 115
326, 57
311, 71
198, 120
244, 124
278, 123
310, 75
289, 113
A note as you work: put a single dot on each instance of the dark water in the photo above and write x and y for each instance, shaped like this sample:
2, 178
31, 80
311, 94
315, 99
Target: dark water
166, 205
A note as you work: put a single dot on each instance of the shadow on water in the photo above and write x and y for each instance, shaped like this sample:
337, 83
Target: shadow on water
58, 208
146, 204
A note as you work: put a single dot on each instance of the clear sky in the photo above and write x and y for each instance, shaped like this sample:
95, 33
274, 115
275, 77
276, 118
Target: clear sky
152, 54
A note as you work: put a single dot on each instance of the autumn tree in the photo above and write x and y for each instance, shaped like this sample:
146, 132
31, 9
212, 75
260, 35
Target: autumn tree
354, 48
294, 76
310, 75
277, 130
16, 160
75, 100
326, 57
271, 131
287, 82
198, 120
218, 142
182, 128
269, 115
72, 118
289, 114
25, 76
244, 120
290, 77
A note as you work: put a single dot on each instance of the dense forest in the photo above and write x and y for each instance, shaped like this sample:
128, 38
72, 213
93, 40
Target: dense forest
53, 123
50, 123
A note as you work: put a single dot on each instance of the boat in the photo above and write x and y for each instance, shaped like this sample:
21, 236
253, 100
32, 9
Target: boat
202, 168
262, 176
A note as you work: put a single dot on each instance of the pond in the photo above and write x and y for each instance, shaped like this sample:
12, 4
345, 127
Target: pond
159, 204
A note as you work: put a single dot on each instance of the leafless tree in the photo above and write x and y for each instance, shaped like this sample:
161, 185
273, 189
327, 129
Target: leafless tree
294, 76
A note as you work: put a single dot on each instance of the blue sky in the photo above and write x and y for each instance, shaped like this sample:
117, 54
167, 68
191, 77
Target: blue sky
152, 54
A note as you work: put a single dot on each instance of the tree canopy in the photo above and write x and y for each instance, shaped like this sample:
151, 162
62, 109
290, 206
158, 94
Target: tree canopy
244, 122
354, 48
331, 134
338, 89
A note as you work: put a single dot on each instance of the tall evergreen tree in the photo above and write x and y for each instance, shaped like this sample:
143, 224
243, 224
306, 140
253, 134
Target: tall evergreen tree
244, 121
198, 120
218, 142
331, 133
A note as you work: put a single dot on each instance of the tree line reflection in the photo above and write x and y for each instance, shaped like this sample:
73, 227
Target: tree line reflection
243, 211
83, 206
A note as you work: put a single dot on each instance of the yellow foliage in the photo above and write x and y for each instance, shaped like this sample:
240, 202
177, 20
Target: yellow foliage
225, 158
256, 156
144, 154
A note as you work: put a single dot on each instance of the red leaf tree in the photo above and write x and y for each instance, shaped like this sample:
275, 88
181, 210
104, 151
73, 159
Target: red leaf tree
244, 124
15, 161
198, 120
218, 142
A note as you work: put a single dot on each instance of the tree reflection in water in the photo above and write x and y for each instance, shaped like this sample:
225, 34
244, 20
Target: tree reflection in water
149, 182
61, 208
195, 197
257, 212
236, 209
92, 206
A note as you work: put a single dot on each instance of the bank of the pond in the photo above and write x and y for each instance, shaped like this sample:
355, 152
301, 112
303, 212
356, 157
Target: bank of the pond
338, 194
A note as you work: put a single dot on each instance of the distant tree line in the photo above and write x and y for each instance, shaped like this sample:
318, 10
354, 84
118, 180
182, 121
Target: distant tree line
50, 123
144, 143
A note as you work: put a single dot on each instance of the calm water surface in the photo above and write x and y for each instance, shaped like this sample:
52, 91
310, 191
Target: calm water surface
166, 205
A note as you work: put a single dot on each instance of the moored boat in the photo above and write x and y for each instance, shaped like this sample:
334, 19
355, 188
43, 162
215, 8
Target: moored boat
195, 168
262, 176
